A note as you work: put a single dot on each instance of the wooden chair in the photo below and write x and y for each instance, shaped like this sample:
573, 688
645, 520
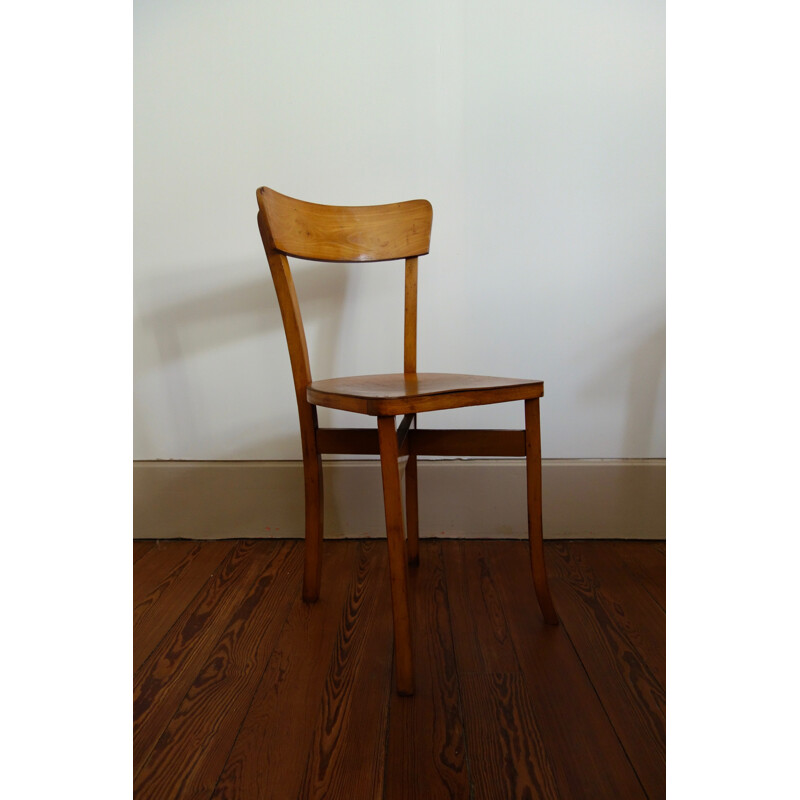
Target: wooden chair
379, 233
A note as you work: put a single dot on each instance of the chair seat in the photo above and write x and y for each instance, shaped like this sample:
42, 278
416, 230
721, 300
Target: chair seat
399, 393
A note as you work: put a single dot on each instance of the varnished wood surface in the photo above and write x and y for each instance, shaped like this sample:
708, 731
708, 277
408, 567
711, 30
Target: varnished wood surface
252, 693
291, 227
425, 442
347, 233
404, 393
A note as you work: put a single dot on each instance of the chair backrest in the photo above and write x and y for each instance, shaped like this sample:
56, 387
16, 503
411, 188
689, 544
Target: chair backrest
346, 233
316, 232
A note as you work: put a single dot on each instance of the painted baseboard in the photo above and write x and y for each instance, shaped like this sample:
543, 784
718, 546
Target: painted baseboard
583, 499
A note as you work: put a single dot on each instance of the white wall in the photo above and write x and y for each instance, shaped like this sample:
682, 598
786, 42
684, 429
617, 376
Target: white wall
535, 128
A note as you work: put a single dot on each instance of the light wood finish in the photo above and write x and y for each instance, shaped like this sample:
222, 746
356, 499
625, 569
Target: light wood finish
396, 231
347, 233
410, 320
533, 459
410, 367
398, 569
403, 393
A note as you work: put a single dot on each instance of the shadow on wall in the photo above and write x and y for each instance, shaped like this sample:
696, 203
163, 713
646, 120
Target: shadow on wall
193, 312
638, 366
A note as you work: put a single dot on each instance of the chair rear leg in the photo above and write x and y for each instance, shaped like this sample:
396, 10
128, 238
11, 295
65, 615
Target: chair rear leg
398, 565
312, 571
412, 510
533, 459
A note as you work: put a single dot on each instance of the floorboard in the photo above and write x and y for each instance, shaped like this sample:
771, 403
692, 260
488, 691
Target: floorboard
157, 611
269, 756
602, 627
202, 731
242, 690
584, 747
142, 546
426, 756
162, 682
646, 565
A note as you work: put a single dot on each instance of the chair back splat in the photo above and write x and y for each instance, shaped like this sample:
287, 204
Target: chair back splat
396, 231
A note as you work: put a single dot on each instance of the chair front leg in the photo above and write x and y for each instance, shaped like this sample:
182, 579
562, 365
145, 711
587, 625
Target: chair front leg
533, 459
398, 566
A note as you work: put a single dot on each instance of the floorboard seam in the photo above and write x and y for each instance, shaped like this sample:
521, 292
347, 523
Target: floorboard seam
597, 695
223, 628
467, 763
191, 600
290, 606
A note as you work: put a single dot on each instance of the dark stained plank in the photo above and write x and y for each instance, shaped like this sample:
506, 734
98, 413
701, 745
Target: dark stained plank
504, 744
348, 749
268, 758
189, 756
157, 612
426, 756
163, 680
623, 598
140, 547
646, 564
252, 693
582, 745
610, 648
156, 565
508, 758
483, 643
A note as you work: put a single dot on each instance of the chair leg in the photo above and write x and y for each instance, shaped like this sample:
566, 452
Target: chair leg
412, 512
398, 566
533, 458
312, 571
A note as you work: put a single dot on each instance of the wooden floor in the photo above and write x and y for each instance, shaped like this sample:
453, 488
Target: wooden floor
243, 691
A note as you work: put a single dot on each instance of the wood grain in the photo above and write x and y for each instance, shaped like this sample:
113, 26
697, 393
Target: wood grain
346, 233
156, 612
607, 644
402, 393
347, 755
163, 680
140, 547
202, 731
621, 585
254, 694
155, 567
426, 750
581, 741
480, 631
268, 758
507, 753
646, 565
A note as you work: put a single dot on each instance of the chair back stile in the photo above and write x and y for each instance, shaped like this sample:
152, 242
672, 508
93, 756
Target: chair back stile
295, 338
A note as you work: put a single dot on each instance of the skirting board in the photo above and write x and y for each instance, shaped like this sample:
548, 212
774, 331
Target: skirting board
582, 499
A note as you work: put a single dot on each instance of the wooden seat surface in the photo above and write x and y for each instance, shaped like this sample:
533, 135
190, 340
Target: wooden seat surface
406, 393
